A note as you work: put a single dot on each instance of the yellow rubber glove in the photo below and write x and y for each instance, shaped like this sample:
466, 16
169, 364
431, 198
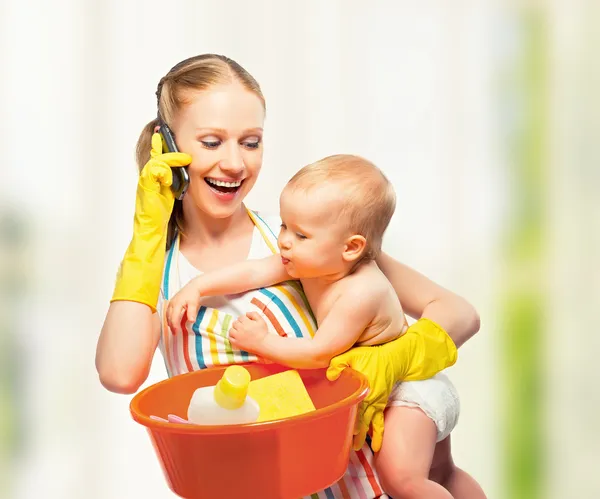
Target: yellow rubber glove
141, 269
420, 353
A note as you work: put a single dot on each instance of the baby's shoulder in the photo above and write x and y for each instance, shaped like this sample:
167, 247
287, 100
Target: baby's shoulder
368, 283
370, 276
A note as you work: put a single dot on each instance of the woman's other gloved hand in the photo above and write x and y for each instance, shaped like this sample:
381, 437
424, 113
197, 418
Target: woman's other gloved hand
420, 353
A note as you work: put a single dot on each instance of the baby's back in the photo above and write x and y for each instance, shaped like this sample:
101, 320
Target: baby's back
368, 287
388, 320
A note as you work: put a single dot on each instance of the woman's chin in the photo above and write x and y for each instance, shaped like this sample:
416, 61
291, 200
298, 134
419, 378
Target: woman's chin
220, 211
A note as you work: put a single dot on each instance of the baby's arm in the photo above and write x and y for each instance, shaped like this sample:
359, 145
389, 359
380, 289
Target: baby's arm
348, 318
236, 278
241, 277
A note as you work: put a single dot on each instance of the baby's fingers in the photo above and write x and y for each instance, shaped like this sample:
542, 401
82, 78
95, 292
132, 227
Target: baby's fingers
233, 336
192, 311
169, 314
253, 316
178, 316
175, 312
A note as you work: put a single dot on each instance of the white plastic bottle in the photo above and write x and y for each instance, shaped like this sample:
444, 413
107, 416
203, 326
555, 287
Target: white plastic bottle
225, 403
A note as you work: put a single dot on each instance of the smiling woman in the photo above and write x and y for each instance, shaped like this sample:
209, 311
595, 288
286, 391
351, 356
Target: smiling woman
222, 131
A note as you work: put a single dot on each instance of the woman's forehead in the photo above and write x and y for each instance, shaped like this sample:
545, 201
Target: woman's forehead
228, 107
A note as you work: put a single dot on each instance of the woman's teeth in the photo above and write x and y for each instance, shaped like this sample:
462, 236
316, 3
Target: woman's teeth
220, 183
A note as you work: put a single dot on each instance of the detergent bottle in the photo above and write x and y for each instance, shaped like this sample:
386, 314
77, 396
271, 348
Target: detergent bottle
225, 403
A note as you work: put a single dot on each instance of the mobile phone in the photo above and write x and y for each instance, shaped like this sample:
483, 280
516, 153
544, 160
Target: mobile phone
181, 178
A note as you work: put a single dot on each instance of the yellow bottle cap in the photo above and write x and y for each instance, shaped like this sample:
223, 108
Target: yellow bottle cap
231, 390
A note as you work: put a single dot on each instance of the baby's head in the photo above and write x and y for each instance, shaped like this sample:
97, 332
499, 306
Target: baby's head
334, 213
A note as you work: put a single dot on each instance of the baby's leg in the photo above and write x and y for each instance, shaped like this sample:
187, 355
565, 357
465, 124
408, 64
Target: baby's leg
406, 455
458, 482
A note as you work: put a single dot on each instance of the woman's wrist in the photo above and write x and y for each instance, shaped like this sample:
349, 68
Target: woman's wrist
456, 316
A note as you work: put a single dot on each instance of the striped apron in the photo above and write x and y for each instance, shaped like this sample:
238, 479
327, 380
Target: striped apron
286, 311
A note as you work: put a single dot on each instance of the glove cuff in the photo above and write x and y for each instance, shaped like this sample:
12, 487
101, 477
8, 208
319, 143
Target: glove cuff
139, 275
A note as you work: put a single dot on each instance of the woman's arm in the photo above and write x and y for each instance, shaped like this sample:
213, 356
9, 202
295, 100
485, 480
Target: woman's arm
131, 331
127, 343
139, 275
441, 314
421, 297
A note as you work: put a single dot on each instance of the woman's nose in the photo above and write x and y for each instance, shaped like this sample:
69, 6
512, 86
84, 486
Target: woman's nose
232, 161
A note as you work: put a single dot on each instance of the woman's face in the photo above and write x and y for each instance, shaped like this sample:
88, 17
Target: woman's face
221, 128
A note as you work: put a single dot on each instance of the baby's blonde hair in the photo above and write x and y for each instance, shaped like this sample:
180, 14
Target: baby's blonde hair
367, 197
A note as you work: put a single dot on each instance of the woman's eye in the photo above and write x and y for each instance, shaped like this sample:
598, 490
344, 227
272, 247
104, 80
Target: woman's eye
211, 144
251, 145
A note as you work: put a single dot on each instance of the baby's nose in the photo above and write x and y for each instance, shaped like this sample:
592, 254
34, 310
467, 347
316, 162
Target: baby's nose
284, 242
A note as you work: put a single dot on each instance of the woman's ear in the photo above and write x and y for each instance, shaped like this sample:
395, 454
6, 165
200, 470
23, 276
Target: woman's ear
354, 248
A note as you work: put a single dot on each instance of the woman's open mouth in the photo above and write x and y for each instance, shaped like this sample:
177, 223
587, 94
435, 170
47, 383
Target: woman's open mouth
223, 187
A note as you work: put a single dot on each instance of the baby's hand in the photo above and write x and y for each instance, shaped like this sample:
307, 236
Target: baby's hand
187, 299
248, 332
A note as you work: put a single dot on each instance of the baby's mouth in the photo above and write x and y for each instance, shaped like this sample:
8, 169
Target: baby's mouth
221, 186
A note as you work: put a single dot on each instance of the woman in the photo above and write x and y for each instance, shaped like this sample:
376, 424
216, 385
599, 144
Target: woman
216, 111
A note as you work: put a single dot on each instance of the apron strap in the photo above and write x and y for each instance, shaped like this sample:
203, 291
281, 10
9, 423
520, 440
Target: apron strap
174, 250
265, 231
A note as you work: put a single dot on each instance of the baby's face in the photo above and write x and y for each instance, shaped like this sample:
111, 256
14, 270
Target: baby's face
311, 239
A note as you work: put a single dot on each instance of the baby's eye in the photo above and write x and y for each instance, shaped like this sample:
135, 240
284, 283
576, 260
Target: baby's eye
300, 236
283, 227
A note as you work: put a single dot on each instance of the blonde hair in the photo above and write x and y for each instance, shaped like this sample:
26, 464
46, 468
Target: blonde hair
196, 73
367, 197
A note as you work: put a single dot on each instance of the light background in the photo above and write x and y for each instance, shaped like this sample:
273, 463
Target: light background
484, 114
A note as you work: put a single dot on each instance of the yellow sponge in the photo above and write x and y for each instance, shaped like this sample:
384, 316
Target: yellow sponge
280, 395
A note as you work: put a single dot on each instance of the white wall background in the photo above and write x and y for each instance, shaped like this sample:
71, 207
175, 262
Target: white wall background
409, 85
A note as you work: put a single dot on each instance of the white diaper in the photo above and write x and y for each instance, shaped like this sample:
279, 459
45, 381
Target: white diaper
436, 397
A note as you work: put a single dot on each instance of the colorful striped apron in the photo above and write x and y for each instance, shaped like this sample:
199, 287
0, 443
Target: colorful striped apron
205, 343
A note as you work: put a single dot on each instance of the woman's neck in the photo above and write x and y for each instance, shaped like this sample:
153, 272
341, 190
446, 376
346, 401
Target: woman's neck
202, 229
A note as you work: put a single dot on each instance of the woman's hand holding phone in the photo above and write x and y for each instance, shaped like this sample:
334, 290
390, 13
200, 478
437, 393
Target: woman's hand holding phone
141, 269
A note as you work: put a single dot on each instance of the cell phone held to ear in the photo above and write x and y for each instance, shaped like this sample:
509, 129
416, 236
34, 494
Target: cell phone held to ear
181, 178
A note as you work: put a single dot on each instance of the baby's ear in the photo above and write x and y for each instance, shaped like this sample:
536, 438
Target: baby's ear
354, 248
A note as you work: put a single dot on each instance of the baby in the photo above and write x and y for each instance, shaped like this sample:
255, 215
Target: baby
334, 214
